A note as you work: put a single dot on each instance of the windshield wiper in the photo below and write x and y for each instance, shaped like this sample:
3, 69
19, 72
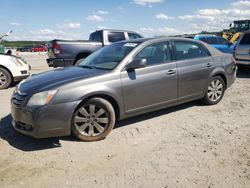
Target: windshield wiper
87, 66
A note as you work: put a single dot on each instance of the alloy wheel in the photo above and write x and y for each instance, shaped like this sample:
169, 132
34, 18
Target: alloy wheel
91, 120
3, 78
215, 90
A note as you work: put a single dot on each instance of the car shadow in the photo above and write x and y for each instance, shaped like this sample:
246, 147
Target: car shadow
22, 142
245, 74
157, 113
27, 143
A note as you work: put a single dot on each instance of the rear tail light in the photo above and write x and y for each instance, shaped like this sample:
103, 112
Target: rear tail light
56, 48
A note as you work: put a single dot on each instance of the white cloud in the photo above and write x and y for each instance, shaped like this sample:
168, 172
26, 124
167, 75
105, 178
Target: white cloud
102, 12
69, 25
147, 2
169, 31
162, 16
217, 19
146, 30
95, 18
101, 27
14, 24
49, 34
242, 5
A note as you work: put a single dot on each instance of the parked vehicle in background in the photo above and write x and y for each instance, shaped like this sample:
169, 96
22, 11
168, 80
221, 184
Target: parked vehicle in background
217, 42
12, 69
64, 53
118, 81
39, 48
242, 52
24, 49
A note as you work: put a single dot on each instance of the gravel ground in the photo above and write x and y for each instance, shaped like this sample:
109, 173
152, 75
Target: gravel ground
190, 145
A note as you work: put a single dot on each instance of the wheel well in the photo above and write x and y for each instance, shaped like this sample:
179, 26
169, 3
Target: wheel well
7, 70
80, 56
223, 77
109, 99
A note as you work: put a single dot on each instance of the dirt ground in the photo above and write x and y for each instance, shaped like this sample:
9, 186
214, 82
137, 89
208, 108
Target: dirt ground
190, 145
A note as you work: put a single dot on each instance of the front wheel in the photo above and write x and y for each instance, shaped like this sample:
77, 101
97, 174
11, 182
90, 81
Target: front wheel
93, 120
215, 90
5, 78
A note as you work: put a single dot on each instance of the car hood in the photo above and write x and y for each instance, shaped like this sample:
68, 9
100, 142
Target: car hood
56, 78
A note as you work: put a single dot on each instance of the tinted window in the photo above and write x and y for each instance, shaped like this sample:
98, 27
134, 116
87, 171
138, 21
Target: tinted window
188, 50
212, 40
133, 36
203, 39
108, 57
245, 39
155, 53
222, 41
116, 36
96, 36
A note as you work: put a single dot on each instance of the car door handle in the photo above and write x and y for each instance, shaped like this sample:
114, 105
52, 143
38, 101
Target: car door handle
208, 65
171, 72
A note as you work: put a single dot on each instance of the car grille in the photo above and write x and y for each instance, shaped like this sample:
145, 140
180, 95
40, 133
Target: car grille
24, 72
18, 99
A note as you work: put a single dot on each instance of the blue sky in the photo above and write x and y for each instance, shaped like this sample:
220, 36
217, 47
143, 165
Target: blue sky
75, 19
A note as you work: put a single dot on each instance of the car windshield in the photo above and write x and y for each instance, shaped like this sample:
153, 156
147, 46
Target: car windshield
108, 57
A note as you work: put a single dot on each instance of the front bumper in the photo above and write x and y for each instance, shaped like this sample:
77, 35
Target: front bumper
44, 121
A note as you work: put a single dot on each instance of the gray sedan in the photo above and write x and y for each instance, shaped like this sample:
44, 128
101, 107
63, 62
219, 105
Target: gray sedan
125, 79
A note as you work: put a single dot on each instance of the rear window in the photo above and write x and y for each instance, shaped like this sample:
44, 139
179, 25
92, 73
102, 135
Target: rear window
96, 36
133, 36
188, 50
116, 36
212, 40
223, 41
203, 39
245, 39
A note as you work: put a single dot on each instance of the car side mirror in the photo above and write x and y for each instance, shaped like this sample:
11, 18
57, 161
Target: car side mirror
136, 64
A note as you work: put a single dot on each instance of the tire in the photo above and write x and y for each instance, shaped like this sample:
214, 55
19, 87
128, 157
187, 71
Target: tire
214, 91
93, 120
5, 78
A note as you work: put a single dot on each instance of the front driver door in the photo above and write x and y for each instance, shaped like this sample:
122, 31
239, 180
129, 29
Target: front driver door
153, 86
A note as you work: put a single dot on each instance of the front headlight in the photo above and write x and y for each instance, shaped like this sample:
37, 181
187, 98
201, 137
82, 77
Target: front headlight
18, 61
42, 98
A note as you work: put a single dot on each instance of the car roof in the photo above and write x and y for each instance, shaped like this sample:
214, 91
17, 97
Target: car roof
159, 39
206, 35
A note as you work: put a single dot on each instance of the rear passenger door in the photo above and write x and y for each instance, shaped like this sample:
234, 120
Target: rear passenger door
194, 65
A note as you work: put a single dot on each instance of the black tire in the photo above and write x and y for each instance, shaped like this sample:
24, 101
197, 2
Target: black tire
93, 120
5, 78
214, 91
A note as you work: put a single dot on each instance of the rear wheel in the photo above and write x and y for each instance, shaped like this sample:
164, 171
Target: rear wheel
93, 120
215, 90
5, 78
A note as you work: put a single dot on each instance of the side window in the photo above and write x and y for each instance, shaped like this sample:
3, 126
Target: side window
223, 41
188, 50
96, 36
245, 39
133, 36
203, 39
116, 36
157, 53
212, 40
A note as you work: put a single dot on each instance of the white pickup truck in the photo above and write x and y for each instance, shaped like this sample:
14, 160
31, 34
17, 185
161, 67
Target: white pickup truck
12, 69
